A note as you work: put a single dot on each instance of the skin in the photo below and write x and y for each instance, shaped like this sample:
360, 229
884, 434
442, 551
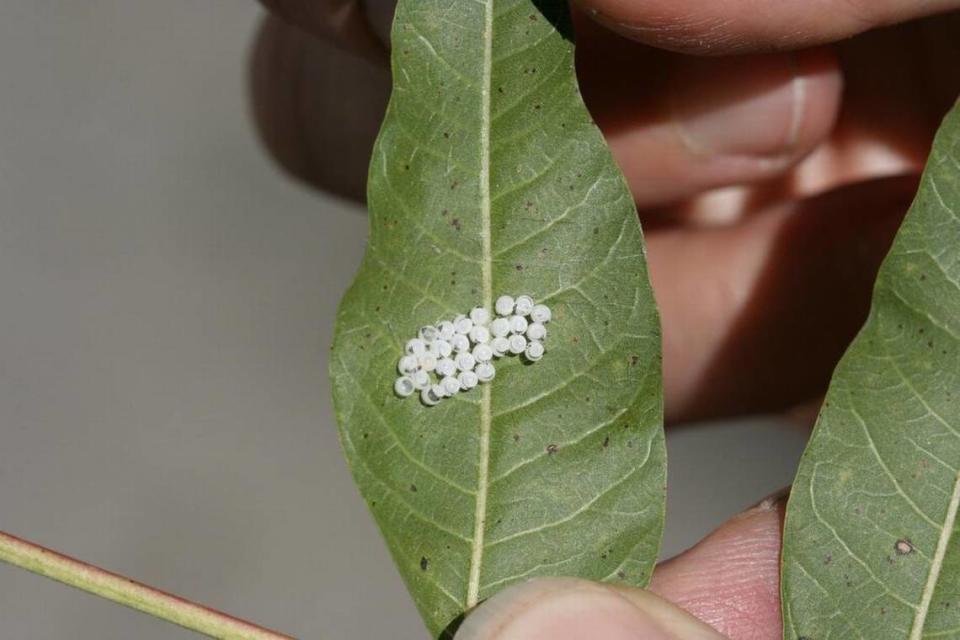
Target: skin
771, 170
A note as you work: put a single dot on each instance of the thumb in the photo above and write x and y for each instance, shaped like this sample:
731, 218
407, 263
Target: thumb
729, 580
571, 609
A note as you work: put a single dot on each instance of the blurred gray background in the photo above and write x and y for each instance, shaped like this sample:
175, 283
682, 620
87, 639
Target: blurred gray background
166, 303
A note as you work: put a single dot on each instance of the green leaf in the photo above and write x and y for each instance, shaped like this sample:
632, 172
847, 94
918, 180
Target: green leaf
870, 549
489, 177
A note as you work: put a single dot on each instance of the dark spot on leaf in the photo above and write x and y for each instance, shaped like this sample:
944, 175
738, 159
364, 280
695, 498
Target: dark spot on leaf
828, 559
454, 185
424, 563
455, 223
536, 107
634, 360
516, 437
519, 267
903, 547
621, 575
533, 17
500, 89
606, 442
406, 167
366, 435
576, 339
413, 488
552, 449
923, 276
446, 134
377, 308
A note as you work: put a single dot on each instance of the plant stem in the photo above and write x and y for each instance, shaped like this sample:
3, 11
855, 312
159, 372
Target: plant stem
111, 586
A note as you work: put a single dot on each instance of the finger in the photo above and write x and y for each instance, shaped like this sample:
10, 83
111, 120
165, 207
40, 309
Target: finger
299, 86
703, 124
570, 609
756, 316
710, 27
680, 125
731, 579
357, 26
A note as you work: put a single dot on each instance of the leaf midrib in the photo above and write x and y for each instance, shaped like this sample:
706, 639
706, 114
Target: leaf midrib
936, 565
486, 265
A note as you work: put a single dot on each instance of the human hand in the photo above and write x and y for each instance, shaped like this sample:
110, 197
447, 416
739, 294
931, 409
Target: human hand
769, 193
770, 182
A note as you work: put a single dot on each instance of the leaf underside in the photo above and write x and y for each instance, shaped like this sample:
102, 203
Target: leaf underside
489, 177
870, 549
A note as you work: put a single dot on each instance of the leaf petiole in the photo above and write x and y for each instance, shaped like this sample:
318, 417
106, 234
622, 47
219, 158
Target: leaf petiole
127, 592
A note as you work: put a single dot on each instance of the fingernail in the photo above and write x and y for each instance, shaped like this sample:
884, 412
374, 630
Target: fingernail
739, 106
773, 502
569, 609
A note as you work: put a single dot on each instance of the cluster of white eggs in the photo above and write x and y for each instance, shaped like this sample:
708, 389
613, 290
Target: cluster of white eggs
457, 355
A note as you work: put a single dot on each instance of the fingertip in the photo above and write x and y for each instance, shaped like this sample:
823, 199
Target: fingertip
731, 578
571, 609
681, 125
298, 83
707, 27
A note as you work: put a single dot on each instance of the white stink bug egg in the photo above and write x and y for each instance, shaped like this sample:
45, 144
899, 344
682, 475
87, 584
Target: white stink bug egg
518, 324
429, 398
485, 372
500, 327
500, 346
480, 316
446, 367
483, 353
416, 347
468, 380
534, 351
443, 348
407, 364
421, 380
540, 313
451, 386
479, 335
427, 362
404, 386
536, 331
445, 330
463, 324
466, 361
460, 343
457, 354
523, 305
